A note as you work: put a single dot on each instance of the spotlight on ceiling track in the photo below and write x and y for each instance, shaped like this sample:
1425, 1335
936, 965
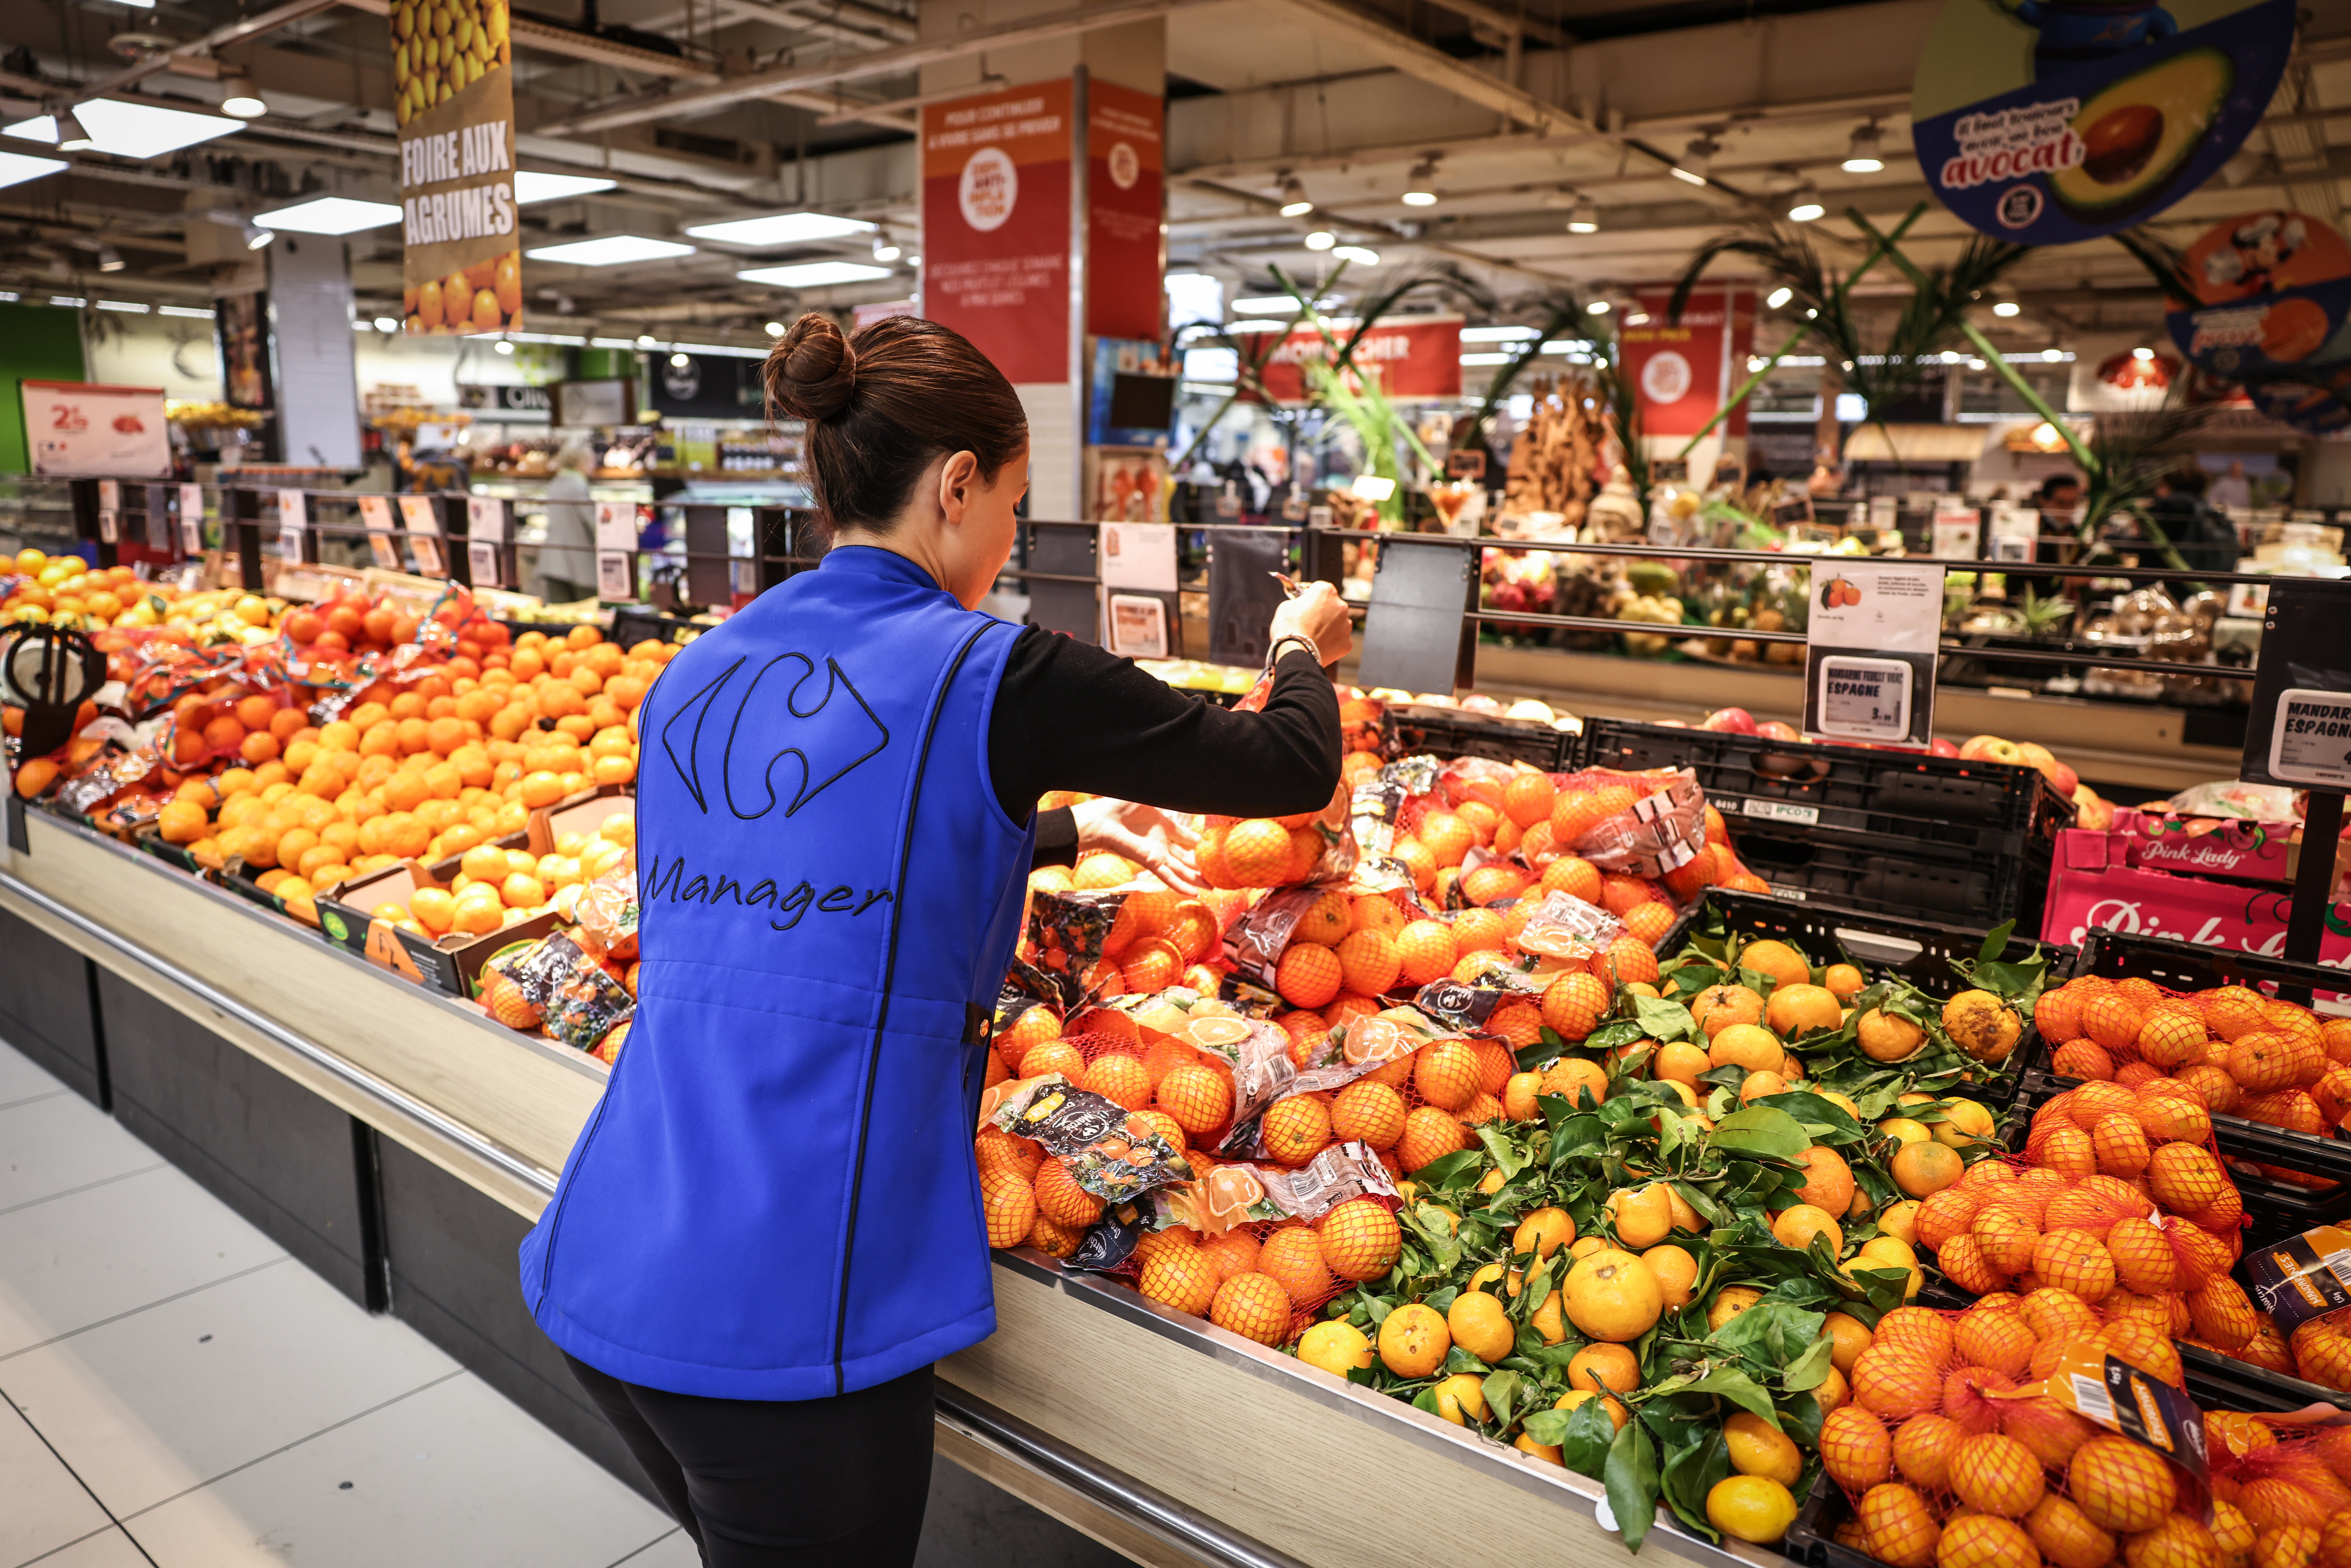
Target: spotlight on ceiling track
1294, 202
1861, 155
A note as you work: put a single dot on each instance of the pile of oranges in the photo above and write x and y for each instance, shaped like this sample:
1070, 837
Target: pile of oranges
494, 888
425, 770
64, 590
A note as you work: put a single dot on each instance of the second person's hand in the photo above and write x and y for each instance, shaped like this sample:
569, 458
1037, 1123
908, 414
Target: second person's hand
1318, 615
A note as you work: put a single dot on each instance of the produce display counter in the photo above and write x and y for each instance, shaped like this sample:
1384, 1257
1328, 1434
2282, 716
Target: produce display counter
399, 1142
2143, 745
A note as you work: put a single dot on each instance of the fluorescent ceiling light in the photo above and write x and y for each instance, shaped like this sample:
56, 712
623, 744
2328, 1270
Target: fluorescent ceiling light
1321, 239
127, 307
1496, 334
130, 130
386, 324
1269, 305
814, 274
1679, 173
70, 301
16, 168
781, 228
1362, 256
1488, 359
532, 186
612, 250
330, 215
193, 312
2053, 355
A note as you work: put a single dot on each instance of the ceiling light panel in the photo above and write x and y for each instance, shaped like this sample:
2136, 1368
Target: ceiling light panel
612, 250
330, 215
781, 228
814, 274
130, 130
532, 186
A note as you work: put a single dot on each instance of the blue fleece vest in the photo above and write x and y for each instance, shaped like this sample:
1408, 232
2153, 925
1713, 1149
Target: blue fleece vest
777, 1197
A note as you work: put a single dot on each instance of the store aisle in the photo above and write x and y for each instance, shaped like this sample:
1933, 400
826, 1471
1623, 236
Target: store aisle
181, 1394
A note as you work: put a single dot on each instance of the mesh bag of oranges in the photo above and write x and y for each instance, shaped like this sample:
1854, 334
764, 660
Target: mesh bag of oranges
2301, 1292
2281, 1487
2017, 1433
1112, 942
2231, 1050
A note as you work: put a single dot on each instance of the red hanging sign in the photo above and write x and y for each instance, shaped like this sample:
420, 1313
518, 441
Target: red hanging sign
1683, 371
1415, 358
996, 225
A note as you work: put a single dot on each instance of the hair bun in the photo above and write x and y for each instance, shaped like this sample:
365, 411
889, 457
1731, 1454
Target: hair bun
812, 373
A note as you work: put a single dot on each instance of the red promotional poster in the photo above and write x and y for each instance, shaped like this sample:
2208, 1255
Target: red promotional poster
1415, 356
996, 225
1684, 370
1124, 253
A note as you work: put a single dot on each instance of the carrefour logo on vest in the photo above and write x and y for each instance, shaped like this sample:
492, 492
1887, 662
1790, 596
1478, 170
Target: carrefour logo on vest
828, 730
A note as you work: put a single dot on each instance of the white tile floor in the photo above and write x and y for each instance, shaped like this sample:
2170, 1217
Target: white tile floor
180, 1393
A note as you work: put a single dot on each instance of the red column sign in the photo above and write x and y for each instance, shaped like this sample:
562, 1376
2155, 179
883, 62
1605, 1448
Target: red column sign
1125, 252
996, 225
1684, 370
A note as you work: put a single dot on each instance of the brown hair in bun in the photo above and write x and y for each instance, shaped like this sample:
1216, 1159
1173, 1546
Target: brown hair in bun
812, 371
883, 406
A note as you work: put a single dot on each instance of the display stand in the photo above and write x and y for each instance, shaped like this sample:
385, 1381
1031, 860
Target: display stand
401, 1143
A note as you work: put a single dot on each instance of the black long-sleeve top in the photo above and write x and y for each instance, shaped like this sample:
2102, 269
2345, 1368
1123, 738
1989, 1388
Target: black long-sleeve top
1069, 716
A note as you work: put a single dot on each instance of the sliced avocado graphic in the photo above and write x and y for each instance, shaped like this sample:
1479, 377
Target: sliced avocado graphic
2140, 132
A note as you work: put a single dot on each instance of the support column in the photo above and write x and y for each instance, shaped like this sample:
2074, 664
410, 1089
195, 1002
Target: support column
1043, 214
314, 363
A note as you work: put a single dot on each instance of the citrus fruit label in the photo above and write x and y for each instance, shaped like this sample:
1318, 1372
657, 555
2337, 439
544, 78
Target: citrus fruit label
2263, 292
2112, 1393
1372, 1041
1229, 1192
2303, 1278
1215, 1033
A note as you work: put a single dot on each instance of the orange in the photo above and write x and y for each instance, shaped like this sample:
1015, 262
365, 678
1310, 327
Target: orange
1309, 975
1181, 1278
1359, 1240
1778, 961
1292, 1257
1528, 799
1368, 962
1572, 1005
1428, 1134
1414, 1340
1198, 1098
1447, 1073
1603, 1368
1253, 1306
1576, 878
1061, 1200
1800, 1008
434, 910
1294, 1129
1368, 1112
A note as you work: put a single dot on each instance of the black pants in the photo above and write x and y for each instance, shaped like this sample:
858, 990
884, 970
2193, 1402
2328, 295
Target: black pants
762, 1483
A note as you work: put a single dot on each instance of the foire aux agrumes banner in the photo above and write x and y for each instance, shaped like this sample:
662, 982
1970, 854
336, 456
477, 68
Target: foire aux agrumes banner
454, 80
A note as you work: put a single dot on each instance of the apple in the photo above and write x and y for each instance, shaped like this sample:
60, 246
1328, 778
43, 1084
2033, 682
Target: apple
1729, 721
2040, 756
1778, 729
1938, 746
1990, 748
2091, 812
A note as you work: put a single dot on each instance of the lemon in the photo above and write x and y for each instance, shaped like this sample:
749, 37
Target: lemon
1750, 1508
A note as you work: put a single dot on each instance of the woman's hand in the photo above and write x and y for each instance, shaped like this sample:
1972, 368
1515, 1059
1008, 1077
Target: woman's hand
1143, 834
1318, 615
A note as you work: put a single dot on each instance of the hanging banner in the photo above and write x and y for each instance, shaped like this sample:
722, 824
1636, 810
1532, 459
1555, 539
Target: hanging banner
996, 225
2047, 121
2272, 292
74, 427
451, 70
1683, 370
1126, 251
1416, 358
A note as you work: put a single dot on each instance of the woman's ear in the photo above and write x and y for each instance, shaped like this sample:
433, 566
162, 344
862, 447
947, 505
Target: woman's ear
958, 484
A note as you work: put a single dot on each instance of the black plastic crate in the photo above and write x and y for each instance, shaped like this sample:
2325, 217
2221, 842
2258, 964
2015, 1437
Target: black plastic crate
1878, 943
2274, 1209
630, 627
1831, 786
1412, 728
1939, 883
2277, 1208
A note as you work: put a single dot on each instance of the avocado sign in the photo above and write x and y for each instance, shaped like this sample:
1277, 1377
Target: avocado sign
2046, 121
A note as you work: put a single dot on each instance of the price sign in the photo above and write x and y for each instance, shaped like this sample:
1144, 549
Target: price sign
110, 526
1958, 533
2299, 731
1871, 643
486, 518
110, 495
482, 562
293, 519
420, 516
612, 578
192, 519
616, 526
1138, 555
375, 513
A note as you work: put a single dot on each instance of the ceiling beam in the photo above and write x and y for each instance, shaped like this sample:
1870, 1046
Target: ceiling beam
218, 38
781, 81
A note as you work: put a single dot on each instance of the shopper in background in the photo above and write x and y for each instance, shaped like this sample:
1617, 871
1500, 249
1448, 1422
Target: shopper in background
2204, 535
2233, 491
567, 560
774, 1223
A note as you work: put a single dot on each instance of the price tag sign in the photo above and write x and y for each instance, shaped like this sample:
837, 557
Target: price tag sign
616, 526
1872, 636
110, 526
1138, 555
482, 562
486, 518
421, 517
2299, 731
612, 578
1958, 533
293, 519
1138, 626
110, 495
192, 519
375, 514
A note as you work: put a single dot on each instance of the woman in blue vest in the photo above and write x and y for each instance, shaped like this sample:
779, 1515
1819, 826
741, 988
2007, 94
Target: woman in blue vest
771, 1227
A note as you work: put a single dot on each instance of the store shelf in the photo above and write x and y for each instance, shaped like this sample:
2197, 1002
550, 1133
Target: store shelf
1255, 1459
2142, 745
